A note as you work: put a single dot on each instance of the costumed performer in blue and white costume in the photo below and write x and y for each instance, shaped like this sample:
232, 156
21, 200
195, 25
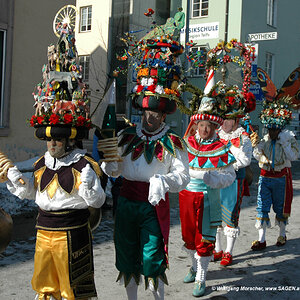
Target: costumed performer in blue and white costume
274, 153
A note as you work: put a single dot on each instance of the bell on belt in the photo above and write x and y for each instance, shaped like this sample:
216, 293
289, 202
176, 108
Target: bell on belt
6, 227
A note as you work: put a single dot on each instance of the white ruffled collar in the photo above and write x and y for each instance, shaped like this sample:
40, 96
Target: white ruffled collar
200, 140
152, 136
231, 135
56, 163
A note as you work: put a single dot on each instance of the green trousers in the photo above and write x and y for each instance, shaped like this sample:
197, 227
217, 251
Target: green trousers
138, 241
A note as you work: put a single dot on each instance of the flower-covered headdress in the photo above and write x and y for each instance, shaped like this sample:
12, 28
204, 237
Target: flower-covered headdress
229, 60
61, 100
223, 101
156, 63
277, 113
279, 103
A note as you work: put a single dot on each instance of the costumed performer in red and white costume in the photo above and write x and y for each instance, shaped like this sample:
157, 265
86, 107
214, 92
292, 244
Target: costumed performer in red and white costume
210, 168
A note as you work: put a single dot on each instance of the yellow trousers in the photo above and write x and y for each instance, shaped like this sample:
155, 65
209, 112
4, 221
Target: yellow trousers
51, 269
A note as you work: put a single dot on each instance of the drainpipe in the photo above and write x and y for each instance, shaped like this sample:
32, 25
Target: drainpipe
185, 119
226, 21
187, 21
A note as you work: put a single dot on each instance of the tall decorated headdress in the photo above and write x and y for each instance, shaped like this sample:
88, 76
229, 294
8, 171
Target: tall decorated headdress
155, 63
232, 65
61, 99
279, 104
278, 113
230, 95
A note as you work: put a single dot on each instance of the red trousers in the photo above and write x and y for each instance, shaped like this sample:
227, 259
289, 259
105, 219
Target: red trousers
191, 205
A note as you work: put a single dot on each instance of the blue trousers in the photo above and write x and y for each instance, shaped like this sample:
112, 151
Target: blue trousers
271, 191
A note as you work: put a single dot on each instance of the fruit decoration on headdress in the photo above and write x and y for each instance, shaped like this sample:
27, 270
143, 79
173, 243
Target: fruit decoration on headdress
61, 100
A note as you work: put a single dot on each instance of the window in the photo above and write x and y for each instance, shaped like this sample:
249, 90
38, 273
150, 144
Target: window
197, 64
270, 64
199, 8
2, 72
85, 18
272, 12
84, 62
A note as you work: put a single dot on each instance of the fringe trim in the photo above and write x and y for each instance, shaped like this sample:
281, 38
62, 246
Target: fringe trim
262, 223
232, 232
42, 296
123, 279
154, 280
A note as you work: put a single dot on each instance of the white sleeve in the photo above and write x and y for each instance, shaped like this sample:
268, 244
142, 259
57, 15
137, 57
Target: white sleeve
218, 179
94, 196
178, 176
257, 150
289, 145
243, 154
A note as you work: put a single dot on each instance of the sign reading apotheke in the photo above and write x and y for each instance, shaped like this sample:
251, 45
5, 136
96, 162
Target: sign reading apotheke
201, 31
262, 36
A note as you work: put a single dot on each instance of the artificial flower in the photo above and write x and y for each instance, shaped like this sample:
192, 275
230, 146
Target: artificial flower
68, 118
33, 120
40, 119
54, 119
80, 121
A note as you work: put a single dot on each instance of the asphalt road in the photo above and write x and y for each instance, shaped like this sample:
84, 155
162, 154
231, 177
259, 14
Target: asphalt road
271, 274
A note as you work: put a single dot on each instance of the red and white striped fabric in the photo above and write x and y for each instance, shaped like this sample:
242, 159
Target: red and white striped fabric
207, 117
210, 81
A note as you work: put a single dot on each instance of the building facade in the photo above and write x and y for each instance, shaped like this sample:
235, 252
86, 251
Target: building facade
270, 25
25, 32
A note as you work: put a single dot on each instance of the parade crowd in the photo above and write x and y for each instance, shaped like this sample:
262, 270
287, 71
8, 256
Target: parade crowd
208, 167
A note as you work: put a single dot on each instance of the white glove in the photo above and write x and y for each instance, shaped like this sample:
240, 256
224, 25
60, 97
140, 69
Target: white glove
87, 176
157, 189
110, 168
13, 174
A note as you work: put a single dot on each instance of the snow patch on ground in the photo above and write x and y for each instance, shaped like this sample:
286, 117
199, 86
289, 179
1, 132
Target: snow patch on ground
12, 204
